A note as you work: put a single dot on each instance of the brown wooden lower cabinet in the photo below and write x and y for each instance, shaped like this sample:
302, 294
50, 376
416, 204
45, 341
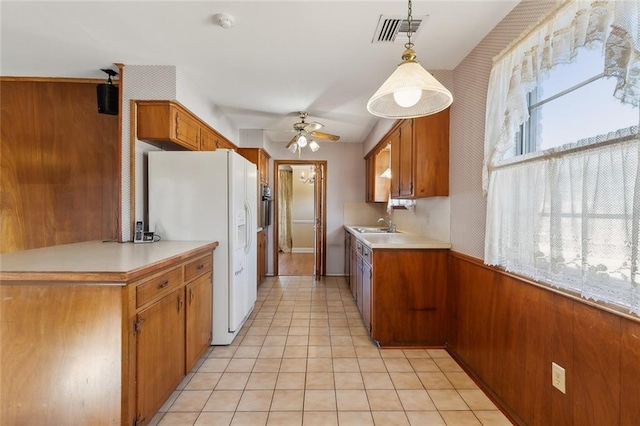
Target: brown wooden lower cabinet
401, 294
103, 348
160, 353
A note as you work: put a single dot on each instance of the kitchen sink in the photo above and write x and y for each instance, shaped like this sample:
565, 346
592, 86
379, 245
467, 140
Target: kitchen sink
367, 230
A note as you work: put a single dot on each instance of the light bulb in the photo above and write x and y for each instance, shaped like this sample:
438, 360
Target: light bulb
293, 148
313, 146
302, 141
407, 97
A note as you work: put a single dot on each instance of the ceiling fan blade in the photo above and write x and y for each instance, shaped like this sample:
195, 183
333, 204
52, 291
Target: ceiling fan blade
312, 127
324, 136
293, 140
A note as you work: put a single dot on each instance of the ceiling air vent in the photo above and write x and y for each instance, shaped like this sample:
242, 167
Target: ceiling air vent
393, 29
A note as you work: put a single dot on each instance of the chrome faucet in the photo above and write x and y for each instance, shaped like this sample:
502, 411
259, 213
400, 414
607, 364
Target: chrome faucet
390, 225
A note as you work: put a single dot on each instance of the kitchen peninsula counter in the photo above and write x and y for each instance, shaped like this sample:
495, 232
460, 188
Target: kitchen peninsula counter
101, 333
95, 261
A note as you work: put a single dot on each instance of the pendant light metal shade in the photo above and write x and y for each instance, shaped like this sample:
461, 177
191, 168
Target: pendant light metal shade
410, 91
409, 76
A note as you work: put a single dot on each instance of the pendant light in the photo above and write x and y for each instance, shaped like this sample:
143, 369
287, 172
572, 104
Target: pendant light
410, 91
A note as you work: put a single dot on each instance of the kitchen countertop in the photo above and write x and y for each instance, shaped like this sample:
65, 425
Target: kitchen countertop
396, 240
95, 261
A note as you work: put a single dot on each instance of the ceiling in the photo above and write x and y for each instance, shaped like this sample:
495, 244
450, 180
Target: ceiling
280, 57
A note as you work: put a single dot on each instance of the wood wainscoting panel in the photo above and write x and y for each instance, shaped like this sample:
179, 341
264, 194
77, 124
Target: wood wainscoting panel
62, 363
630, 369
60, 179
507, 331
596, 379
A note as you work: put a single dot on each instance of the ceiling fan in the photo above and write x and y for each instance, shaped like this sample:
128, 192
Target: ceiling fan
304, 132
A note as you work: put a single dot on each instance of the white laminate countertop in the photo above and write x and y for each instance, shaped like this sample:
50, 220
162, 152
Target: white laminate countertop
396, 240
94, 260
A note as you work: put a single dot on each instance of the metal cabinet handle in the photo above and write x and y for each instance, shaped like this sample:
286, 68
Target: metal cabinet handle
163, 284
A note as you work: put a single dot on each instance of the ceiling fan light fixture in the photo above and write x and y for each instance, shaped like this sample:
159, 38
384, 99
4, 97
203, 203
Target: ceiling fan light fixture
313, 146
293, 148
410, 91
302, 141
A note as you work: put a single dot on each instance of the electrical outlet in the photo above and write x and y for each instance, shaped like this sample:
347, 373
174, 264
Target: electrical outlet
557, 377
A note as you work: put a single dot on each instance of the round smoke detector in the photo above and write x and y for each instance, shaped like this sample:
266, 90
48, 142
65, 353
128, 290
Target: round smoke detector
224, 20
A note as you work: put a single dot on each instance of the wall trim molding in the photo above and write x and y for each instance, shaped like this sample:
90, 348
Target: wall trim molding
57, 80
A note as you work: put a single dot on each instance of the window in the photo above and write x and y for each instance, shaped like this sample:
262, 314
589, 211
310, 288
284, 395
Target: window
573, 102
562, 153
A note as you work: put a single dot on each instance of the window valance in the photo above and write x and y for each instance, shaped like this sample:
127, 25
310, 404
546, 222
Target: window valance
556, 39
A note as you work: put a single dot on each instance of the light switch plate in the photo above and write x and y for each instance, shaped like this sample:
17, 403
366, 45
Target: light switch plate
558, 377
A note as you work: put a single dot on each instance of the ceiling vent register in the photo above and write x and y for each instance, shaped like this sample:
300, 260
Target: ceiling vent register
393, 29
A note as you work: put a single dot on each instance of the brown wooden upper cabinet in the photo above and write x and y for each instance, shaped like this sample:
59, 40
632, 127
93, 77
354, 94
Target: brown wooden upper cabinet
378, 183
260, 158
168, 121
419, 159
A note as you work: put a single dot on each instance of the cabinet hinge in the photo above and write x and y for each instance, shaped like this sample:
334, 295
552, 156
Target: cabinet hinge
137, 325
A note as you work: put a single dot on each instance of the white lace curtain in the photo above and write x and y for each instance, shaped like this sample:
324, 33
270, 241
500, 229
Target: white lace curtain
569, 216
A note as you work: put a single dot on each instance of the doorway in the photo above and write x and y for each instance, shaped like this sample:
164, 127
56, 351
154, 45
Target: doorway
300, 217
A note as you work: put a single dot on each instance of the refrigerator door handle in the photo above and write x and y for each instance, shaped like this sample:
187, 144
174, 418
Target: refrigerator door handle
249, 237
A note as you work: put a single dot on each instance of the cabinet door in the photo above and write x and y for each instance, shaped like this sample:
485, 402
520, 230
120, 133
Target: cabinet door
353, 266
159, 353
406, 171
359, 296
370, 178
347, 256
262, 255
263, 166
208, 140
199, 294
394, 141
186, 130
366, 295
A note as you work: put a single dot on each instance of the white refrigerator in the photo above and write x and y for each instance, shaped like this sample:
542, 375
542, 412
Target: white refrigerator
211, 196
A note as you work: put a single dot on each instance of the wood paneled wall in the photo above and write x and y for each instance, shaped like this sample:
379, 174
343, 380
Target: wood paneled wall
60, 165
507, 332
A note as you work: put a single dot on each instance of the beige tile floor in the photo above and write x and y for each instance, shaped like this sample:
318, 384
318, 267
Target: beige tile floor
304, 358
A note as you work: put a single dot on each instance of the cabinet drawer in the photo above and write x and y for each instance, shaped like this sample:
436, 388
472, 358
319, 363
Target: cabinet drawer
366, 254
198, 267
157, 286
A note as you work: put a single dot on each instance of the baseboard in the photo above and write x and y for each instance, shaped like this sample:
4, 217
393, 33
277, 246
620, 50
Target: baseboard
510, 414
302, 250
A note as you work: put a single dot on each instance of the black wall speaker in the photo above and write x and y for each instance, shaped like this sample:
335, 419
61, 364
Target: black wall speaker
107, 99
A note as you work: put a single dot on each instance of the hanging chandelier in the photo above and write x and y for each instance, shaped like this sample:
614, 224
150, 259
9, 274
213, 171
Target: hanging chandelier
410, 91
311, 178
